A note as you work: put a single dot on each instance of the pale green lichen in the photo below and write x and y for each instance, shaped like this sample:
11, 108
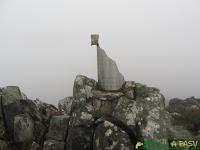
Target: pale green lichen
86, 116
108, 132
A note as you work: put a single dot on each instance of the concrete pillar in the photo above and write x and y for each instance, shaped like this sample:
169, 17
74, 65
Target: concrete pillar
109, 77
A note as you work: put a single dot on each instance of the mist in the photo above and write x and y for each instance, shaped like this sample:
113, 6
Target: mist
44, 44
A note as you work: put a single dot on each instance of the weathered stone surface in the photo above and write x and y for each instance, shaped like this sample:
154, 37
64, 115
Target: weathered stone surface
46, 110
2, 124
102, 107
186, 113
148, 113
4, 145
53, 145
178, 132
105, 95
83, 87
24, 120
82, 113
107, 136
80, 138
23, 129
109, 77
95, 118
58, 128
11, 93
81, 126
129, 89
34, 146
65, 105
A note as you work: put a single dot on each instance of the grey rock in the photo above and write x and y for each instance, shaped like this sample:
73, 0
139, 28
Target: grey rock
58, 128
178, 132
129, 89
81, 126
80, 138
11, 108
108, 136
23, 129
2, 124
147, 113
83, 87
34, 146
82, 114
142, 90
185, 113
109, 77
4, 145
53, 145
46, 110
106, 95
40, 130
102, 107
11, 93
65, 105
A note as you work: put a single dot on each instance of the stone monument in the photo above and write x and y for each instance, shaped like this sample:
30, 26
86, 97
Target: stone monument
109, 77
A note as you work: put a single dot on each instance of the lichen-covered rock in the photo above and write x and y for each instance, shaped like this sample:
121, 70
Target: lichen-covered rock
83, 87
106, 95
11, 93
81, 126
80, 138
82, 113
65, 105
185, 113
108, 136
178, 132
23, 129
58, 128
129, 89
53, 145
102, 107
147, 111
95, 119
46, 110
23, 121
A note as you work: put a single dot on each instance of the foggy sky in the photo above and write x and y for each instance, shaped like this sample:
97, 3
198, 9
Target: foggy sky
44, 44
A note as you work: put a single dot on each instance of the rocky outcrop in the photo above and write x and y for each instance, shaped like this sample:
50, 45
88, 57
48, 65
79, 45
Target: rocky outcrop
94, 119
23, 122
186, 113
133, 113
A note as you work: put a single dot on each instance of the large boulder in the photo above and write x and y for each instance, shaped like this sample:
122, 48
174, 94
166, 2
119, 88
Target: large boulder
185, 113
147, 112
